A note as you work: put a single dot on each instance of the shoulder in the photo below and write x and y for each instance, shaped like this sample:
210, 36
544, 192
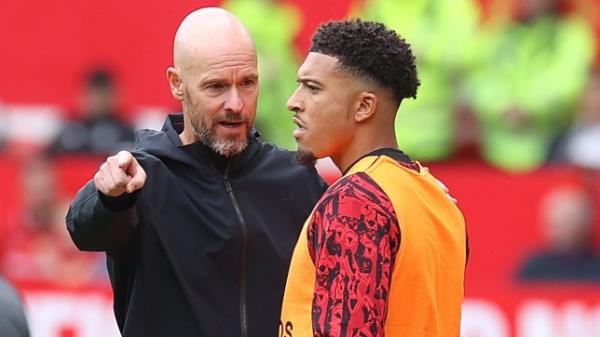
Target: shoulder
146, 138
9, 298
12, 317
356, 195
353, 208
358, 186
8, 293
276, 153
274, 157
149, 144
277, 166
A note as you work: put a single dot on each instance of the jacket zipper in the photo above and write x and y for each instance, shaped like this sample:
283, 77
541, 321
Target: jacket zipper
244, 232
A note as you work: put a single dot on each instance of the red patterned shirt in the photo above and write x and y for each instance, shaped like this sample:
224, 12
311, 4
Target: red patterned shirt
353, 239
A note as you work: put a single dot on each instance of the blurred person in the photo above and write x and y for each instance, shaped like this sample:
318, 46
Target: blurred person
384, 251
34, 247
524, 95
435, 127
13, 322
569, 255
198, 222
99, 131
580, 144
277, 63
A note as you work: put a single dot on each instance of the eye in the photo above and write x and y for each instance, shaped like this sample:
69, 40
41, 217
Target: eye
313, 89
249, 83
215, 86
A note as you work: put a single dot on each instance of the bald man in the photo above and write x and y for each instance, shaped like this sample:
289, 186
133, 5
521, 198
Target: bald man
199, 221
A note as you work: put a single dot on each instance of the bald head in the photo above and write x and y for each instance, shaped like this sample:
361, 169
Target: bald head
207, 32
215, 77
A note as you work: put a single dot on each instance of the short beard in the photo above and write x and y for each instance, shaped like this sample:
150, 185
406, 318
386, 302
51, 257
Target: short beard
305, 158
227, 147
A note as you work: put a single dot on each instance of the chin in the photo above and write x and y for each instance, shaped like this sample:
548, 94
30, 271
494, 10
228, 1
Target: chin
305, 157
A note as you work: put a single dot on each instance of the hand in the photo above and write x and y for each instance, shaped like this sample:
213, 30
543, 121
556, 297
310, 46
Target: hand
119, 174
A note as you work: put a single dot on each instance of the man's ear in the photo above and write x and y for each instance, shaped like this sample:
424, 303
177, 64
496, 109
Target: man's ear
175, 83
365, 107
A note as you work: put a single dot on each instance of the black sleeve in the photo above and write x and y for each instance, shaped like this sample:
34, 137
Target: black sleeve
100, 223
13, 322
319, 181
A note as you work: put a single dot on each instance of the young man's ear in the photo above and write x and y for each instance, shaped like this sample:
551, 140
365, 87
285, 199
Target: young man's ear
367, 102
175, 83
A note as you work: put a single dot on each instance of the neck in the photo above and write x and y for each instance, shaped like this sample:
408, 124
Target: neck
187, 136
362, 145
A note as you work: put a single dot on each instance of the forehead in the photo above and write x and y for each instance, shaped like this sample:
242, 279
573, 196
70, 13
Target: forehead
245, 62
220, 55
317, 65
225, 67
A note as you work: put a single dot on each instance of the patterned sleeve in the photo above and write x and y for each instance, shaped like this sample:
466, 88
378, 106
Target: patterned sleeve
353, 239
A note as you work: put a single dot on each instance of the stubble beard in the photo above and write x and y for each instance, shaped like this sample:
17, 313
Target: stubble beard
305, 157
227, 146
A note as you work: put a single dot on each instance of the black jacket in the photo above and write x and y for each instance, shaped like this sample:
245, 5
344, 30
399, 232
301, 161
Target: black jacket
13, 322
203, 248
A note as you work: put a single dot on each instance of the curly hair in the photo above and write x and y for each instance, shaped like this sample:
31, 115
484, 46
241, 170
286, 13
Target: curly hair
368, 49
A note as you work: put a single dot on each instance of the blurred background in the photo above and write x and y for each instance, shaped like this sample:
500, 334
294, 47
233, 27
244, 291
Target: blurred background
508, 116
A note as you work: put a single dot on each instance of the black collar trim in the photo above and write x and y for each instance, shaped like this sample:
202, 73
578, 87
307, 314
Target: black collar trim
395, 154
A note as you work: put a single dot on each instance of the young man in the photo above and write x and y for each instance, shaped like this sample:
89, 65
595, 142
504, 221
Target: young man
384, 251
200, 220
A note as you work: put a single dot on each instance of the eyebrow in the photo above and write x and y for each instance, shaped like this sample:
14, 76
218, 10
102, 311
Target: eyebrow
253, 76
205, 82
213, 78
305, 80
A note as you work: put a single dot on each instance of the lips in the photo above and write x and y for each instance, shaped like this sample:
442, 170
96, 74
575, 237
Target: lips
301, 130
230, 124
299, 122
232, 121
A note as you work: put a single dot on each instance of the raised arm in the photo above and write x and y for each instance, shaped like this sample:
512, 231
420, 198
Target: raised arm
102, 217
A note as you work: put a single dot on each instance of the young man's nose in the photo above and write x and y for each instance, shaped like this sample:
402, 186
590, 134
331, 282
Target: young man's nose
293, 104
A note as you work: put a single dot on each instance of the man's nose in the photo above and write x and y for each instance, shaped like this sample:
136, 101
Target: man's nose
293, 104
234, 102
